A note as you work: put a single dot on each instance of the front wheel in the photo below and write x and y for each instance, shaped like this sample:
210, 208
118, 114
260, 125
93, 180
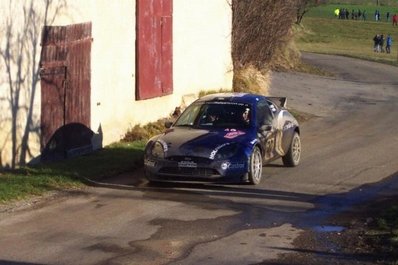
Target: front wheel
292, 158
255, 166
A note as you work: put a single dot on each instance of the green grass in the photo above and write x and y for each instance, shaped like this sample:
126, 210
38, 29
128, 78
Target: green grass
327, 11
346, 37
66, 174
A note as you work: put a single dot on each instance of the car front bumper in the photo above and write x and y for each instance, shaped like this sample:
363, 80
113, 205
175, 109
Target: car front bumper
169, 170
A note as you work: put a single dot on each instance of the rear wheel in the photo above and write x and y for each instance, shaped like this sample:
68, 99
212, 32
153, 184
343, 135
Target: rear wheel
255, 167
292, 157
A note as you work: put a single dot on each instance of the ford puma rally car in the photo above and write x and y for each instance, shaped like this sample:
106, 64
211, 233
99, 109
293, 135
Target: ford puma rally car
224, 136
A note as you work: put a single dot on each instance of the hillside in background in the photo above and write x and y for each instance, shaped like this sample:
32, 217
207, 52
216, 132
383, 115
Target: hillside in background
322, 32
366, 2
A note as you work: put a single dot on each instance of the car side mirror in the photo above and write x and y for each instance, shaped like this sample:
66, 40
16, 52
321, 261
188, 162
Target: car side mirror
168, 124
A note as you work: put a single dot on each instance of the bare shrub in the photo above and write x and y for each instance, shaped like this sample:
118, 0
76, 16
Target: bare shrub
258, 28
253, 80
286, 56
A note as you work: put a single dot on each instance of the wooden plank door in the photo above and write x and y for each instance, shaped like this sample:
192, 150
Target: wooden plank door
65, 77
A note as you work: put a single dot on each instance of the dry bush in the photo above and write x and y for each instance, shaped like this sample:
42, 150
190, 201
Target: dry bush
140, 133
252, 80
259, 27
286, 56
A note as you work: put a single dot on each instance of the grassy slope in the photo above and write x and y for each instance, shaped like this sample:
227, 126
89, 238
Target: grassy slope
321, 32
111, 160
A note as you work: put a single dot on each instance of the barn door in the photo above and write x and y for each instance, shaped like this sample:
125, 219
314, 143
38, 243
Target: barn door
65, 77
53, 79
154, 48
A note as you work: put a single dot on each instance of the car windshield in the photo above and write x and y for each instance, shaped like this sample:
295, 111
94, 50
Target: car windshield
216, 115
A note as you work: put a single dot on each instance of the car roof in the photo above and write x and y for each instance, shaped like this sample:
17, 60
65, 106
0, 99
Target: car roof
232, 97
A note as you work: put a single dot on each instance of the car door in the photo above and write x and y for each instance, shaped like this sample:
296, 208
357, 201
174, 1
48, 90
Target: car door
266, 130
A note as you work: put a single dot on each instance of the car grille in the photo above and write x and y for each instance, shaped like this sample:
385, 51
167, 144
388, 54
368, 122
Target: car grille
192, 172
199, 160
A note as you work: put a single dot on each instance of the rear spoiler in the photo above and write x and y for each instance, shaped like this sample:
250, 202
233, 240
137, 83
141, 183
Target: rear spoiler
279, 101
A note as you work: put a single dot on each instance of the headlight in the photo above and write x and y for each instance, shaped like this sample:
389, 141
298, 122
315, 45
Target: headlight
227, 151
157, 150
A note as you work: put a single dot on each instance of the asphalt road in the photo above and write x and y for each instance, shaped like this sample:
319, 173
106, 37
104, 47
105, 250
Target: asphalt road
349, 156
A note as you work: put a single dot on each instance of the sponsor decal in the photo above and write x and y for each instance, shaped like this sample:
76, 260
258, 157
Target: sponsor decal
288, 125
214, 152
228, 165
229, 103
189, 164
254, 141
233, 134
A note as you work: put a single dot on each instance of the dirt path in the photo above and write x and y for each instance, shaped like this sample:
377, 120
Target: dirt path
349, 158
343, 236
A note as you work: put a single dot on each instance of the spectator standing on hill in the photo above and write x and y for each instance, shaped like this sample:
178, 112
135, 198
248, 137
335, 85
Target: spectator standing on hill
395, 20
388, 16
337, 12
388, 43
343, 13
381, 42
359, 13
364, 15
347, 14
376, 16
376, 41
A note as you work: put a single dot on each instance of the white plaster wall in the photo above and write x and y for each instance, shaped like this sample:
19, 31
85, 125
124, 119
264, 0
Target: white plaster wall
12, 17
201, 61
202, 52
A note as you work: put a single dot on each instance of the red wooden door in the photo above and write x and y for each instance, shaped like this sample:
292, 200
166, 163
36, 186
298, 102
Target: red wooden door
65, 77
154, 48
52, 100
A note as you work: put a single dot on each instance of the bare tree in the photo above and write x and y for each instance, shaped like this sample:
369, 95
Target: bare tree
303, 6
258, 27
19, 53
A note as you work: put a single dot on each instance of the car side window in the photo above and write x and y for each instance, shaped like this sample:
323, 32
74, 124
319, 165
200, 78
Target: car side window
264, 114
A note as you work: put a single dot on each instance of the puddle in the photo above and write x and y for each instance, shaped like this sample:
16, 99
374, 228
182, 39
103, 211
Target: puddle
328, 228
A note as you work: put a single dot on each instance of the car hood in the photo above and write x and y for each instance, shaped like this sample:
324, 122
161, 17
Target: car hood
185, 141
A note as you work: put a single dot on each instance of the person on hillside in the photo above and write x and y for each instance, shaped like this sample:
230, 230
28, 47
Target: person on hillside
342, 13
381, 43
376, 42
359, 14
388, 16
337, 13
364, 15
395, 20
388, 43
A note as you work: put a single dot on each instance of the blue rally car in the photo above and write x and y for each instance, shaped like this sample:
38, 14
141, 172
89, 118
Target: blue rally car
227, 136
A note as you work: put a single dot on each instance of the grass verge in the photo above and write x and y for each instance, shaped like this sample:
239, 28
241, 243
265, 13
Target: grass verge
37, 180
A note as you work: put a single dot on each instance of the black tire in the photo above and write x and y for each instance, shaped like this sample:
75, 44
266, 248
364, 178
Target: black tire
151, 178
255, 166
292, 157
